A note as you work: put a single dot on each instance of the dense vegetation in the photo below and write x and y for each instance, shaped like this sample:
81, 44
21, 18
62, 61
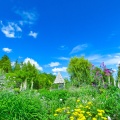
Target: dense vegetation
24, 75
91, 93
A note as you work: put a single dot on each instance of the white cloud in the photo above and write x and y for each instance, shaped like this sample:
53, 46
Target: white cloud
62, 69
28, 17
54, 73
13, 63
63, 58
33, 34
11, 30
63, 47
94, 57
33, 62
78, 48
54, 64
7, 50
112, 59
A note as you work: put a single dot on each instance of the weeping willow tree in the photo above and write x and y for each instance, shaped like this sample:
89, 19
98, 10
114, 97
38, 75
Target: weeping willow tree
79, 70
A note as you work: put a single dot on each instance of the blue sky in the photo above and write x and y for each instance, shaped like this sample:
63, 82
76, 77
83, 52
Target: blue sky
49, 32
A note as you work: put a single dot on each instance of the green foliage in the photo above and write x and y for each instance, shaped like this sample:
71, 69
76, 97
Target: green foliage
24, 106
79, 70
42, 104
44, 80
118, 73
5, 64
28, 72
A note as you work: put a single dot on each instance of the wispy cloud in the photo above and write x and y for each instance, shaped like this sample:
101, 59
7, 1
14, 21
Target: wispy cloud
11, 30
63, 58
20, 57
94, 57
78, 48
28, 17
7, 50
62, 69
111, 59
33, 34
63, 47
33, 62
54, 64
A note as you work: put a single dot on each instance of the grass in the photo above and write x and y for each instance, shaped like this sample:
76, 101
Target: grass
42, 104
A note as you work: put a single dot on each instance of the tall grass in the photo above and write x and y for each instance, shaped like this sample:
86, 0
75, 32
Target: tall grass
41, 105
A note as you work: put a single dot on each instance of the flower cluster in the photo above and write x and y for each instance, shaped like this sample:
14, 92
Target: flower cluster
81, 112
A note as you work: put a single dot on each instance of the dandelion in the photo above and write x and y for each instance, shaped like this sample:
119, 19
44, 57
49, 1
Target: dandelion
78, 101
68, 112
71, 118
55, 114
94, 118
58, 110
100, 114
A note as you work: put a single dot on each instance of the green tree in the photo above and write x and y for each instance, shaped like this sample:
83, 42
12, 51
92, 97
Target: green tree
5, 64
44, 81
79, 70
16, 66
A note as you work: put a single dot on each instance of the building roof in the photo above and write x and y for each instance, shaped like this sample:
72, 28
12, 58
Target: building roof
59, 79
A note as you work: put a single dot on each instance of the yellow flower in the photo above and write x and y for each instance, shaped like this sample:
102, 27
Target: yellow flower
78, 110
100, 111
89, 113
68, 107
63, 108
81, 115
71, 118
82, 111
55, 114
58, 110
104, 118
68, 112
94, 118
75, 113
78, 101
86, 106
89, 103
100, 114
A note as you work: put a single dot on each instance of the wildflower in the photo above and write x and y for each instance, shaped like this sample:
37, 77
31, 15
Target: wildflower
78, 101
100, 114
109, 118
94, 118
60, 100
82, 111
89, 113
71, 118
58, 110
63, 108
104, 118
68, 107
89, 103
55, 114
100, 111
68, 112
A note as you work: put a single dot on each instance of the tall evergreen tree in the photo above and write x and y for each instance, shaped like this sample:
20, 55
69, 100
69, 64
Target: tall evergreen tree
5, 64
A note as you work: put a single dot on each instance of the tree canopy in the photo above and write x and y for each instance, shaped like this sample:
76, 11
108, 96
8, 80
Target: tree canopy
79, 70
